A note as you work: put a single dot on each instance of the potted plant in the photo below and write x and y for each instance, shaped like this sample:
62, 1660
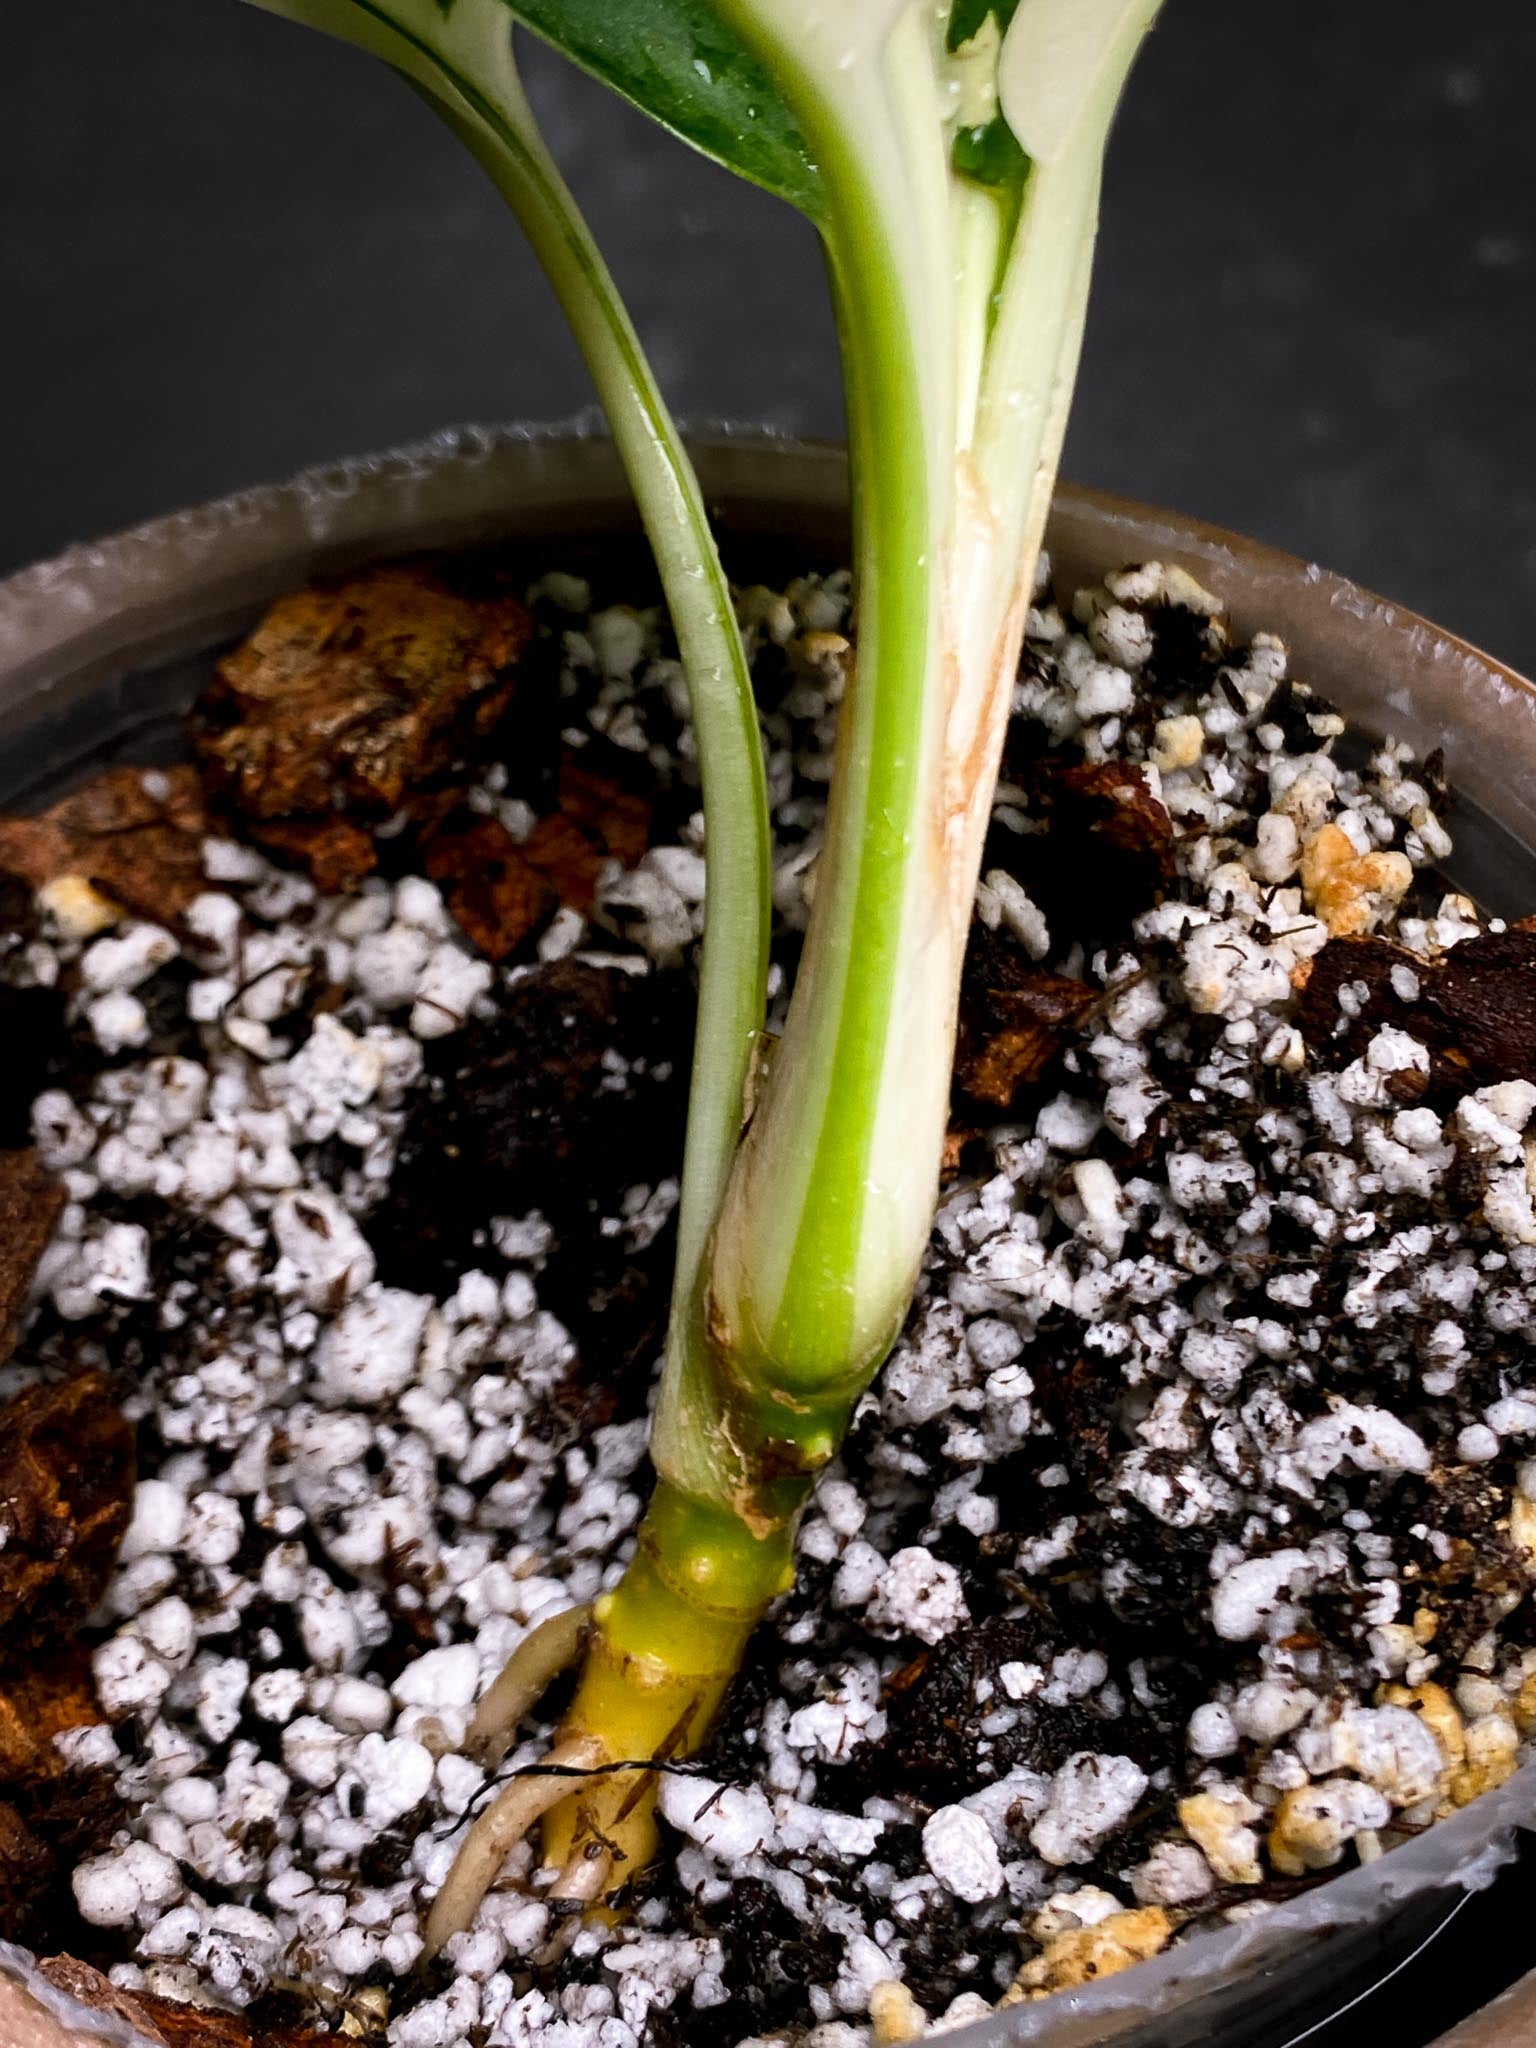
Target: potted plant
953, 170
952, 165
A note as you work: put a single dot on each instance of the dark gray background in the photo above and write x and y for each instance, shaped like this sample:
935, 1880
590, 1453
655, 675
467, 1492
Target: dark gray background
228, 249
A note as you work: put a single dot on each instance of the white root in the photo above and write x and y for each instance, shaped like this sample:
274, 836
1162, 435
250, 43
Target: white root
497, 1833
584, 1879
537, 1661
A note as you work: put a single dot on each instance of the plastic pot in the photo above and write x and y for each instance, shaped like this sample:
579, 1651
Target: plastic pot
101, 649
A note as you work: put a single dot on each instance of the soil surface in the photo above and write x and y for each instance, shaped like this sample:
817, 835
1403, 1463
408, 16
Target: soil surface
1179, 1558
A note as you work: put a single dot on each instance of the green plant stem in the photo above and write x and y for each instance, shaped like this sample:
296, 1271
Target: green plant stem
957, 404
808, 1278
462, 63
733, 963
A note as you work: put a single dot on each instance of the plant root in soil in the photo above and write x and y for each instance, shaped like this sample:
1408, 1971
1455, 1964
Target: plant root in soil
658, 1656
534, 1665
497, 1833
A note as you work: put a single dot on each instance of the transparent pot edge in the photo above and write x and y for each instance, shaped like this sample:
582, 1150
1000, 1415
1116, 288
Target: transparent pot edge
166, 587
84, 611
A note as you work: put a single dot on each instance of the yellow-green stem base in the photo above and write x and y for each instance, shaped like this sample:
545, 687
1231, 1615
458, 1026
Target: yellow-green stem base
665, 1645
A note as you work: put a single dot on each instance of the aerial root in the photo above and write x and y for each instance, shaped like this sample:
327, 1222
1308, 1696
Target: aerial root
534, 1665
497, 1833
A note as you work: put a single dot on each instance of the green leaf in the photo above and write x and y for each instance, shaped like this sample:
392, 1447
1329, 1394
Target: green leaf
967, 18
682, 63
989, 153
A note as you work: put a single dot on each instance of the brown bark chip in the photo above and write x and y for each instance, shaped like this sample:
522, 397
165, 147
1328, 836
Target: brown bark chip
501, 892
1015, 1019
1022, 1032
191, 2026
25, 1864
496, 895
336, 853
1474, 1007
52, 1815
30, 1204
569, 859
90, 1988
66, 1492
166, 2022
1112, 803
619, 818
48, 1826
136, 834
1486, 992
1105, 851
598, 820
41, 1700
351, 695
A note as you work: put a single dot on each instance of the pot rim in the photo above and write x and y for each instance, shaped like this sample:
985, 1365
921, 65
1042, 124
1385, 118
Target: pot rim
104, 566
85, 613
100, 605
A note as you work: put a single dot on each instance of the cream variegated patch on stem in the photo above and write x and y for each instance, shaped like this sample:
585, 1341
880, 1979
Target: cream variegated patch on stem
829, 1205
1062, 68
